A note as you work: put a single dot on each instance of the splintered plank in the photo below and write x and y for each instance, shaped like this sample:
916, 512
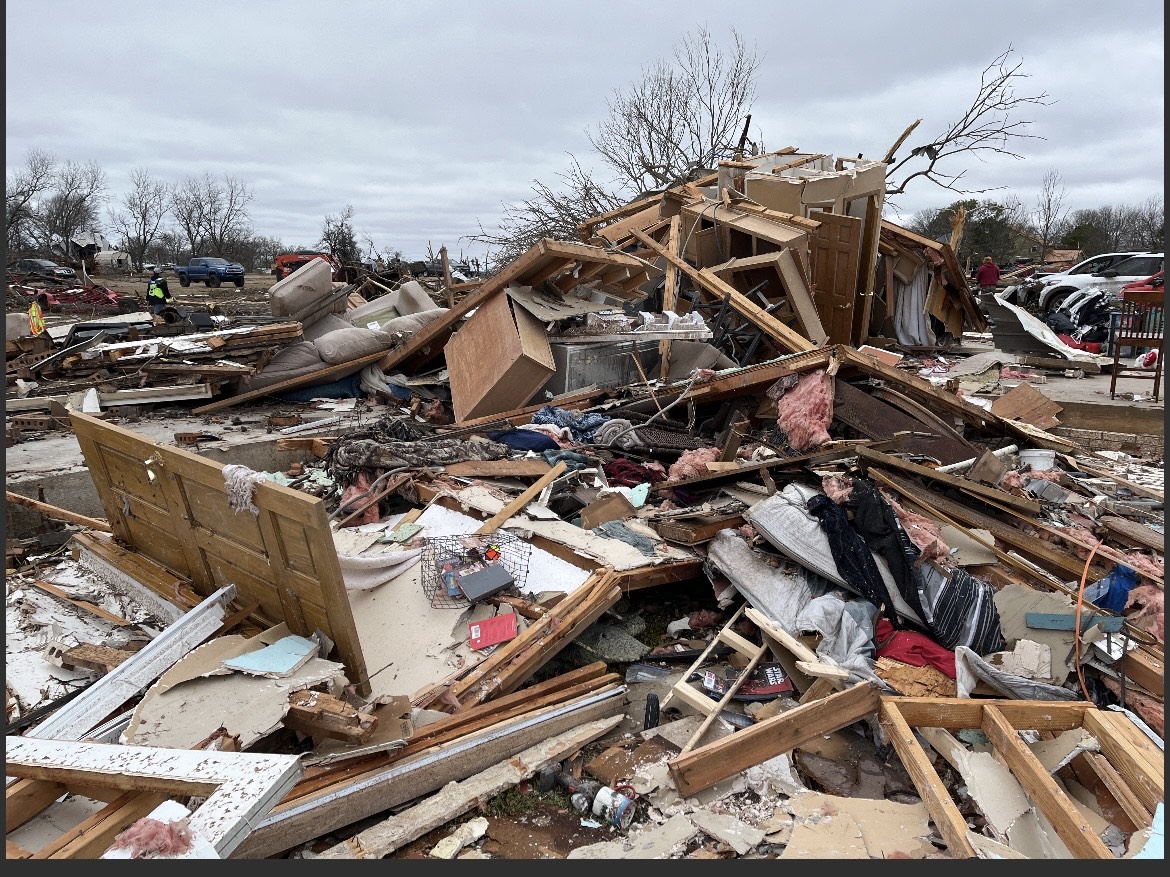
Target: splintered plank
522, 468
718, 760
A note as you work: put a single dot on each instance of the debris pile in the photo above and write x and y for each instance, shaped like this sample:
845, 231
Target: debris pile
693, 530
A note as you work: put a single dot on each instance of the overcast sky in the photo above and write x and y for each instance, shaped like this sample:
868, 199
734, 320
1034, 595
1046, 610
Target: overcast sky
428, 116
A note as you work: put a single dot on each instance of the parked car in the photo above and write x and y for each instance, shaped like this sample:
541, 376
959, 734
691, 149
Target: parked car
1049, 297
1042, 280
43, 266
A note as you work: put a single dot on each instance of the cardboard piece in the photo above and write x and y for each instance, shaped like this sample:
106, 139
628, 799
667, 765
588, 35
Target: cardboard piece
611, 507
498, 360
490, 631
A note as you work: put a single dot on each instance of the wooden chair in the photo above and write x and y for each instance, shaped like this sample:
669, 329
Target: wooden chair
1141, 325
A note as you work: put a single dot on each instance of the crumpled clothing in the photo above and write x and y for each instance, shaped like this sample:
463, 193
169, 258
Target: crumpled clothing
913, 648
525, 440
582, 426
618, 530
373, 454
619, 431
854, 560
240, 482
626, 473
559, 434
573, 460
373, 380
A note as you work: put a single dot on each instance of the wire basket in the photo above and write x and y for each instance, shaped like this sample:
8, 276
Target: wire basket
444, 558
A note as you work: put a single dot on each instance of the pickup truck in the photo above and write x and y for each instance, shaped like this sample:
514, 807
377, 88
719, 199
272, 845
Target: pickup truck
210, 270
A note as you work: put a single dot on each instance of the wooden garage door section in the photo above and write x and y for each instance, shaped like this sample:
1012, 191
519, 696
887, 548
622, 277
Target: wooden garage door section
172, 506
835, 253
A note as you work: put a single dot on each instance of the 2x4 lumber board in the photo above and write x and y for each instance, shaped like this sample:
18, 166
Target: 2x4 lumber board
585, 229
756, 377
426, 772
959, 713
1107, 776
522, 468
517, 505
720, 759
56, 514
1134, 533
1070, 825
456, 799
803, 223
50, 588
12, 851
698, 530
653, 575
24, 799
240, 787
788, 339
943, 811
92, 836
877, 458
1139, 762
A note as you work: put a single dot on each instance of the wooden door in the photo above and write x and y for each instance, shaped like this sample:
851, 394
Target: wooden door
835, 254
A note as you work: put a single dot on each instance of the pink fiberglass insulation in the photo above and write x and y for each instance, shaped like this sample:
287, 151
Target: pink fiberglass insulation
150, 836
349, 498
1145, 565
805, 412
1150, 709
838, 488
1012, 481
923, 532
692, 463
1150, 614
1053, 475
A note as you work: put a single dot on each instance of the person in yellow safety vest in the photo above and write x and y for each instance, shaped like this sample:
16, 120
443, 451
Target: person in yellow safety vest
157, 293
36, 319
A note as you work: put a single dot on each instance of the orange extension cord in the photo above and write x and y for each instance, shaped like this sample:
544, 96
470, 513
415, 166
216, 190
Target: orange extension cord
1077, 619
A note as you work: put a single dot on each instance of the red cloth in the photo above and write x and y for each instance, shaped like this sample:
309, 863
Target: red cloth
1093, 347
913, 648
987, 274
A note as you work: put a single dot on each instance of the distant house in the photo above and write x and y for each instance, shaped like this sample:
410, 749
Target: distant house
113, 261
1058, 260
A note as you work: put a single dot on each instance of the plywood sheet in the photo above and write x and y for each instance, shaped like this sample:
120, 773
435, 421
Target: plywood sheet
1024, 402
172, 506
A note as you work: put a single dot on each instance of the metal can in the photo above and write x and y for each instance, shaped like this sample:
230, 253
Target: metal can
613, 807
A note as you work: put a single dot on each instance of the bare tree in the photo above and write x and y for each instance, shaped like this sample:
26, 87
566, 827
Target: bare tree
1049, 217
77, 192
1150, 224
338, 236
678, 120
188, 207
213, 215
987, 125
144, 208
23, 188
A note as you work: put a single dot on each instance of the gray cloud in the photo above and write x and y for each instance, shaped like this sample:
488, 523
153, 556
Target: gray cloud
427, 116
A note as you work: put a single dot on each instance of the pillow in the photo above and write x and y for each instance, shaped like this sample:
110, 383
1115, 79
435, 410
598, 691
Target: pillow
343, 345
291, 362
327, 323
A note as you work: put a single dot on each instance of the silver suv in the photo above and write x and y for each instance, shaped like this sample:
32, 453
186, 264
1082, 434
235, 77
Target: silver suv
1137, 266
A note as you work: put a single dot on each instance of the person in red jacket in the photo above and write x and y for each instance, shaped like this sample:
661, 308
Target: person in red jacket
987, 275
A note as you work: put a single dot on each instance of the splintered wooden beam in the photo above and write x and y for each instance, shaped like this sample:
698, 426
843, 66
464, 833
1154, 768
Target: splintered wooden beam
718, 760
317, 714
517, 505
785, 337
55, 513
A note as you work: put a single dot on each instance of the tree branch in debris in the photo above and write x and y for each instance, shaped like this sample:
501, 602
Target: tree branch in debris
987, 125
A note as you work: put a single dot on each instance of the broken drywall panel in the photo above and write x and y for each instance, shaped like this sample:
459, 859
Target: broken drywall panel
278, 660
246, 786
835, 836
1028, 659
1056, 753
990, 783
104, 697
889, 829
966, 551
652, 842
47, 826
1014, 602
736, 833
196, 701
